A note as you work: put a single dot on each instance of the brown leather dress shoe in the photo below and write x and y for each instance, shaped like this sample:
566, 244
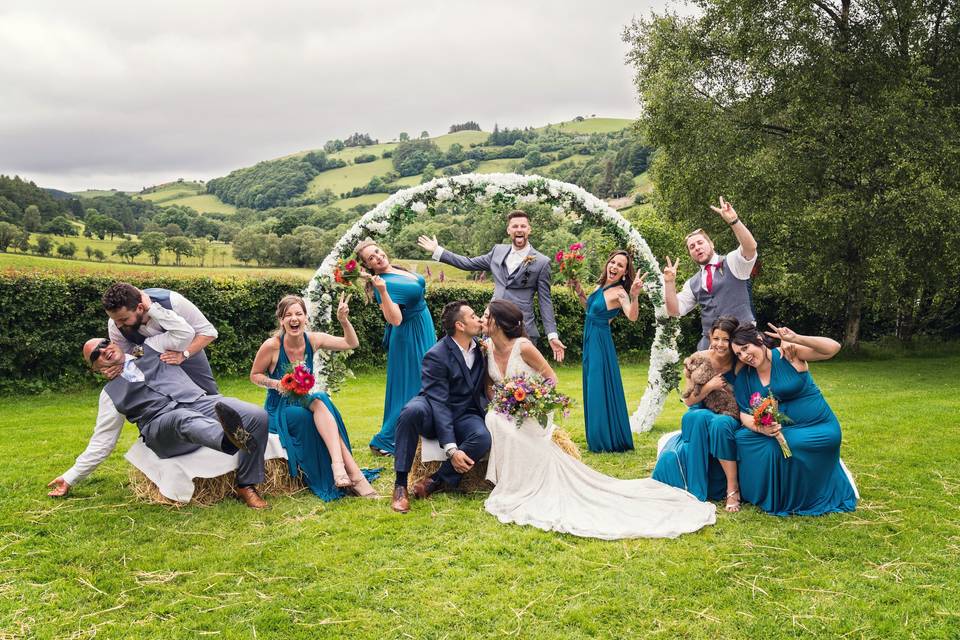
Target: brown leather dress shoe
426, 487
401, 503
250, 497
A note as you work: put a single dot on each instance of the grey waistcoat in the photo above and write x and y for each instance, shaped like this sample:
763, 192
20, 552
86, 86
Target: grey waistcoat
730, 297
163, 387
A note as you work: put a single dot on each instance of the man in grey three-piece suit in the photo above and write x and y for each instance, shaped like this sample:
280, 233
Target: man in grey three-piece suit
519, 271
173, 414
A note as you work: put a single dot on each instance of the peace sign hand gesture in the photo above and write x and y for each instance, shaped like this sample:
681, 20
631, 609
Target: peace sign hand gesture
670, 271
637, 285
783, 333
725, 210
343, 308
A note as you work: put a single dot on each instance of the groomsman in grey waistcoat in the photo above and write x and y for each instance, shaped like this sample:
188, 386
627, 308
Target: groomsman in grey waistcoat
173, 414
519, 272
129, 327
721, 287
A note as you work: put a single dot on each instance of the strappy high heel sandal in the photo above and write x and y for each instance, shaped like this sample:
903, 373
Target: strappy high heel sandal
363, 489
340, 477
733, 506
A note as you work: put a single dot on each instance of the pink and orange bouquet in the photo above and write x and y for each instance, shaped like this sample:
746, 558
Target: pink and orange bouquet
766, 411
522, 396
570, 263
346, 273
296, 384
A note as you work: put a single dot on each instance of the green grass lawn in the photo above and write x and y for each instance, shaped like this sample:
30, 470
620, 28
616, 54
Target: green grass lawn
100, 563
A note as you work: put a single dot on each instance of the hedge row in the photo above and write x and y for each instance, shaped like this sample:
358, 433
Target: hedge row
45, 318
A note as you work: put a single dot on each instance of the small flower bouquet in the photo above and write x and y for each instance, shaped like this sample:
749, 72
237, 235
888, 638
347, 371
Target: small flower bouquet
296, 384
346, 273
570, 263
766, 411
521, 397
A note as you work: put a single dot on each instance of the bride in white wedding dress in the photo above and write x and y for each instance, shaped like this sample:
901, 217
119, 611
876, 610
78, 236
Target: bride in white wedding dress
538, 484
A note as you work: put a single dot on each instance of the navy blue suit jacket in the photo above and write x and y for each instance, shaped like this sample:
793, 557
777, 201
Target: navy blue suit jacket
451, 389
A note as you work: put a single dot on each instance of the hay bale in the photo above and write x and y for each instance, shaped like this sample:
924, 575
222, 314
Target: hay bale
209, 491
475, 479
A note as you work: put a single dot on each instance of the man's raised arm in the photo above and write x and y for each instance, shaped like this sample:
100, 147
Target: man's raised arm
103, 441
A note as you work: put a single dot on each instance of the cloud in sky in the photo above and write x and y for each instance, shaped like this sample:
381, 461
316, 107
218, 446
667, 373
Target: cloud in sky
111, 94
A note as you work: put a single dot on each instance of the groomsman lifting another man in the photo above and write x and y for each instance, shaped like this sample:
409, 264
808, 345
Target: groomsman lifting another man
173, 414
722, 285
519, 271
129, 326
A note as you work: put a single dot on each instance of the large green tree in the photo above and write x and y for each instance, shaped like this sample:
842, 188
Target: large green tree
833, 125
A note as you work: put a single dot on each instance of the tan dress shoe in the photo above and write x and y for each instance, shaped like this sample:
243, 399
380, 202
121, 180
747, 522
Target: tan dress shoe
401, 503
250, 497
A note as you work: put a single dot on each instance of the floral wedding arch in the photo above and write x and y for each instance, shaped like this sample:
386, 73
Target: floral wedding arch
508, 189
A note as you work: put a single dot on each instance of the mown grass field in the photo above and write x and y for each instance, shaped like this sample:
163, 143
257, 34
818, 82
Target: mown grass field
101, 564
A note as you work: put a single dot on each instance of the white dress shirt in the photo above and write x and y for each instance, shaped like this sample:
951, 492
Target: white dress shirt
514, 258
175, 335
739, 266
182, 307
469, 357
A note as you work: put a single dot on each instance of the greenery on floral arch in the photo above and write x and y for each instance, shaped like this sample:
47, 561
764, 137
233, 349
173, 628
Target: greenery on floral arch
510, 190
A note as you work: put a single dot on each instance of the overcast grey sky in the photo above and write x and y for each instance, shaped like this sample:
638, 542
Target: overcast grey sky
128, 94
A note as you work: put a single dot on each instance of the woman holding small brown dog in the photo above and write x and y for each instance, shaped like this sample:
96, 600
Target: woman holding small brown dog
702, 458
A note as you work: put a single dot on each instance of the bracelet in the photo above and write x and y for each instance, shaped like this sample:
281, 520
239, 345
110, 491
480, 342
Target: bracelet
735, 221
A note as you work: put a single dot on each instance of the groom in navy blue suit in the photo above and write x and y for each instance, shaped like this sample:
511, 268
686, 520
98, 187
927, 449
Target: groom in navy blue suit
450, 407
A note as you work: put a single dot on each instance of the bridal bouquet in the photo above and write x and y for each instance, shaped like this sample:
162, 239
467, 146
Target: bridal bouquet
766, 411
296, 384
522, 396
570, 263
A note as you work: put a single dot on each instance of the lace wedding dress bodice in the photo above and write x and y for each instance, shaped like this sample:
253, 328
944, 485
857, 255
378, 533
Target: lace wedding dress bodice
538, 484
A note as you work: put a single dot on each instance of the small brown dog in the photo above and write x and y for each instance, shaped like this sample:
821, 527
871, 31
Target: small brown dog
700, 371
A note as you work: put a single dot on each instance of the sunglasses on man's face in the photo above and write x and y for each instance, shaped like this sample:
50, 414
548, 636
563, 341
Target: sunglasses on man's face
98, 350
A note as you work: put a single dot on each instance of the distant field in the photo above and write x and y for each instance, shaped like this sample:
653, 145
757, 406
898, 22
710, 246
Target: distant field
464, 138
220, 254
575, 159
96, 193
22, 262
349, 177
500, 165
369, 199
591, 125
187, 194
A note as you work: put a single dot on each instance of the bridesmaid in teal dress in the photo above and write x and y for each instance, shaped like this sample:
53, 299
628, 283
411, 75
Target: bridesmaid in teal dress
408, 336
813, 481
604, 405
702, 458
314, 437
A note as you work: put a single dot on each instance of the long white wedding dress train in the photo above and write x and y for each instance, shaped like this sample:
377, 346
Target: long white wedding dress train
538, 484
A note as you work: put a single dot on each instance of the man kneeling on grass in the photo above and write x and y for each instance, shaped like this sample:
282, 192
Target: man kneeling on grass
173, 414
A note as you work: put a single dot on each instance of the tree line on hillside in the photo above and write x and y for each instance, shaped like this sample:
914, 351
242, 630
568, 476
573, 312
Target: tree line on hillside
833, 126
274, 183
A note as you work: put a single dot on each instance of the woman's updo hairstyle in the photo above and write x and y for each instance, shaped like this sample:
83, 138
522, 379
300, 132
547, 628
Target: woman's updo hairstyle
749, 334
508, 317
727, 324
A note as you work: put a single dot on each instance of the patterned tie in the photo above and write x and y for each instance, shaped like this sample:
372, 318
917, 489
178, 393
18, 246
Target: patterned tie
710, 268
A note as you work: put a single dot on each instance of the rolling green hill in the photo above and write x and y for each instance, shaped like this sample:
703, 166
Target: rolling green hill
188, 194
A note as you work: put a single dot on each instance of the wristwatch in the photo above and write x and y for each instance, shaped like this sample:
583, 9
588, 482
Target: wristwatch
449, 452
186, 354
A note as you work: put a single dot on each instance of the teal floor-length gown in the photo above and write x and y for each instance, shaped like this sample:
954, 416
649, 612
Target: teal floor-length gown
406, 345
604, 405
813, 481
306, 451
690, 459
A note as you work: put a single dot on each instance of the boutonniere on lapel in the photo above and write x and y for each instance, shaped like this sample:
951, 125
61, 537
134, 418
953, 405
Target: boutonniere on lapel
137, 351
482, 345
529, 260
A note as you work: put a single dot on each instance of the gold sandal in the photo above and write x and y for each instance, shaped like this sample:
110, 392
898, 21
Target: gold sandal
733, 507
340, 478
